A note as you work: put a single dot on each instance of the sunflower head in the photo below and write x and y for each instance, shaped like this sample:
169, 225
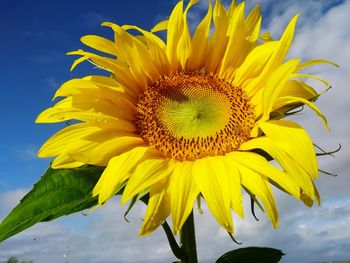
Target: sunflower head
191, 116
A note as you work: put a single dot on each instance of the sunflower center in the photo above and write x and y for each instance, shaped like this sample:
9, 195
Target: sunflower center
192, 115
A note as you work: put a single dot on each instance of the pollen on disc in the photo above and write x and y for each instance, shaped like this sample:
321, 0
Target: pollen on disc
192, 115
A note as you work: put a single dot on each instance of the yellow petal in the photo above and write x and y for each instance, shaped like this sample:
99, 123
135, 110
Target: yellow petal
162, 25
274, 85
184, 46
301, 178
183, 193
200, 42
315, 62
233, 6
91, 85
276, 59
55, 114
234, 184
67, 138
78, 61
218, 42
295, 141
116, 67
261, 166
237, 46
64, 161
116, 172
254, 64
158, 207
105, 63
157, 49
266, 36
175, 29
282, 101
146, 174
317, 195
71, 107
252, 24
212, 179
88, 143
243, 35
296, 88
101, 147
99, 43
260, 187
283, 46
136, 54
299, 75
107, 83
308, 200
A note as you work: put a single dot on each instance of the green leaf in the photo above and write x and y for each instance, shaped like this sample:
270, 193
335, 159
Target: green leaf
58, 192
252, 255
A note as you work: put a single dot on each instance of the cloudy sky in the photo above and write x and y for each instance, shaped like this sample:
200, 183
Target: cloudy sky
34, 37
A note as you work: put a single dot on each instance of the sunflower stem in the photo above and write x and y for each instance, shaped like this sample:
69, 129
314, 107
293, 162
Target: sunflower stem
178, 252
188, 240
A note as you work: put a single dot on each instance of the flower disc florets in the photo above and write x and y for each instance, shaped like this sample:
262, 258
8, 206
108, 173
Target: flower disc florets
192, 115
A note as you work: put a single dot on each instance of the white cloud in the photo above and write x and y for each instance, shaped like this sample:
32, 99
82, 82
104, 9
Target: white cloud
47, 57
52, 83
27, 152
9, 199
93, 19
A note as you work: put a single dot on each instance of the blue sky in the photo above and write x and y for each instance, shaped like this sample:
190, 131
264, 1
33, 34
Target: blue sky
34, 38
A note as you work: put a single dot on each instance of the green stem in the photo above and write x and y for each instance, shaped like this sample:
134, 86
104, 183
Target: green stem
178, 252
188, 240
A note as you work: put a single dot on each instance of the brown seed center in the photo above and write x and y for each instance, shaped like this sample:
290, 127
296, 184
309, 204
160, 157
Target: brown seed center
192, 115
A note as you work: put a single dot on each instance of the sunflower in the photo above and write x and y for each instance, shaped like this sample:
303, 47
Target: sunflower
196, 116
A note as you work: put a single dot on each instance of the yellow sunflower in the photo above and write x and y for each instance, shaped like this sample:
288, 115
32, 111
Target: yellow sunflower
196, 116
